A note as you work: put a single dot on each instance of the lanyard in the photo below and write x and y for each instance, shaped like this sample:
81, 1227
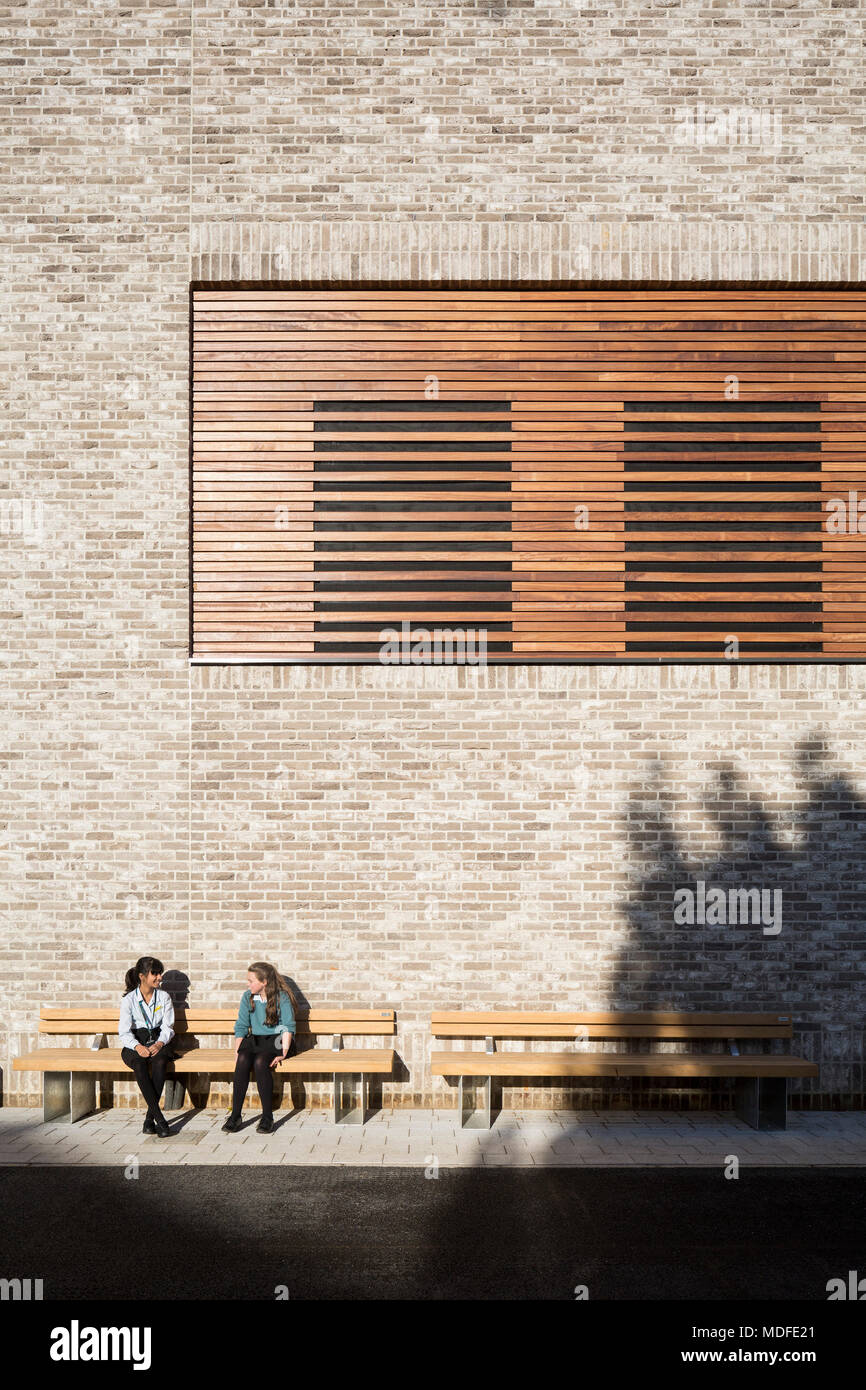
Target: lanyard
149, 1023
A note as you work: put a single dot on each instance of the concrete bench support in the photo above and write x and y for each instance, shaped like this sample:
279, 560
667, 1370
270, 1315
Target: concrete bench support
68, 1095
174, 1095
350, 1098
472, 1116
762, 1101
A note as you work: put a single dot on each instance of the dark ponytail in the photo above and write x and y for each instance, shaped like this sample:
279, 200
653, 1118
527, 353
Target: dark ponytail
145, 965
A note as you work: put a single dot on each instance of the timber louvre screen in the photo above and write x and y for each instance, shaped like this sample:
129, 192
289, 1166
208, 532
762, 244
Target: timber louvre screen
563, 470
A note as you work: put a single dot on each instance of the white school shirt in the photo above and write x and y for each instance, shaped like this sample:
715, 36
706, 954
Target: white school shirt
134, 1013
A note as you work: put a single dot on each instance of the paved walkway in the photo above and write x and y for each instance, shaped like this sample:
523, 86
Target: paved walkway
422, 1138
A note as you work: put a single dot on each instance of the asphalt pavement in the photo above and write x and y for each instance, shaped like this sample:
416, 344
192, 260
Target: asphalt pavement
324, 1233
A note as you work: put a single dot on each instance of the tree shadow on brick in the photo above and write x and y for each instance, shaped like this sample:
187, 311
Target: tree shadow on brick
814, 968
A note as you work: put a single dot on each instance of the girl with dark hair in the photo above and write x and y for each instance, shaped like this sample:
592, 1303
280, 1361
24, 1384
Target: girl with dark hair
264, 1031
146, 1030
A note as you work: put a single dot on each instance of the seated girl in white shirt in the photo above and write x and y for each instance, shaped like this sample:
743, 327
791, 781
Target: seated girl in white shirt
145, 1031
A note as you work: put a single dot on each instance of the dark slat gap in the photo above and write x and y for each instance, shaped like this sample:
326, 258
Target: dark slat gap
480, 589
677, 534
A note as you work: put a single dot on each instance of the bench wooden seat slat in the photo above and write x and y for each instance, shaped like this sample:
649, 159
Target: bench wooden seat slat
469, 1063
612, 1030
504, 1016
348, 1060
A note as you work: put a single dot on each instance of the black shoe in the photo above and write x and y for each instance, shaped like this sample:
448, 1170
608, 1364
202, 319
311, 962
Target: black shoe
149, 1126
232, 1124
265, 1125
162, 1129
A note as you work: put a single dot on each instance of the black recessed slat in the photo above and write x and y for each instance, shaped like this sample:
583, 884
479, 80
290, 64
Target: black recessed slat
710, 607
480, 581
719, 445
677, 534
432, 407
812, 508
406, 445
723, 525
405, 428
767, 648
717, 407
733, 586
397, 466
402, 504
338, 646
455, 485
745, 486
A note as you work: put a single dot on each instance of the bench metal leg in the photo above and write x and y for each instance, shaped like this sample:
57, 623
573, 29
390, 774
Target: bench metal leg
55, 1096
68, 1095
350, 1098
762, 1101
470, 1118
174, 1095
82, 1094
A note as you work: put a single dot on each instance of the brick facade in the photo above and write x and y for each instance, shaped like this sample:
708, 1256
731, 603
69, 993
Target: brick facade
413, 838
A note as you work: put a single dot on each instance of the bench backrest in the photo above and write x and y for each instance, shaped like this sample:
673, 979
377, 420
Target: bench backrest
220, 1021
511, 1023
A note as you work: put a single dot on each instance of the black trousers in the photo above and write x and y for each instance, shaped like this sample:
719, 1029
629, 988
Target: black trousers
257, 1056
150, 1075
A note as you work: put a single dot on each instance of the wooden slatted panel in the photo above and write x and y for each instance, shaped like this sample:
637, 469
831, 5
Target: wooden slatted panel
423, 549
701, 568
364, 459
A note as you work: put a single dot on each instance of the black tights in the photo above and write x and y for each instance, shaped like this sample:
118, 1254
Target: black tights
264, 1081
150, 1075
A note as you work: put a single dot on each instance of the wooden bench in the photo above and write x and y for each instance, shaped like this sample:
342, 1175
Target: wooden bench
70, 1073
761, 1078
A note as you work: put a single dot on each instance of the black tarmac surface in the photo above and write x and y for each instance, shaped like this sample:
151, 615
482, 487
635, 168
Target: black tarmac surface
392, 1233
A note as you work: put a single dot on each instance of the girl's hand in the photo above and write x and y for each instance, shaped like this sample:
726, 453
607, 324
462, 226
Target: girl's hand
155, 1047
141, 1050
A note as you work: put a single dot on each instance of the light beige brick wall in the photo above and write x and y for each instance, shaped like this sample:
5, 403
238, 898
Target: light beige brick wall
413, 838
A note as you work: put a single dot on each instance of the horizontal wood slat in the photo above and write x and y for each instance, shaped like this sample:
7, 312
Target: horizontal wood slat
490, 1019
316, 1060
555, 475
609, 1030
79, 1022
521, 1064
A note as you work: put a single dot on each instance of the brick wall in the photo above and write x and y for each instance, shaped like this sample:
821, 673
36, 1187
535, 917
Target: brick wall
413, 838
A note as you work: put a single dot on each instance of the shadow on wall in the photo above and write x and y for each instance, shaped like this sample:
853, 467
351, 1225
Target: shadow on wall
683, 1233
805, 955
787, 931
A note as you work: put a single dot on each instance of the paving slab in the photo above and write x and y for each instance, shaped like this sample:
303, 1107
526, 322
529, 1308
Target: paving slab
532, 1138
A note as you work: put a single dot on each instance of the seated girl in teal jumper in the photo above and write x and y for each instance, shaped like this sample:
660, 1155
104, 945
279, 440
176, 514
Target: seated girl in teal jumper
264, 1032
